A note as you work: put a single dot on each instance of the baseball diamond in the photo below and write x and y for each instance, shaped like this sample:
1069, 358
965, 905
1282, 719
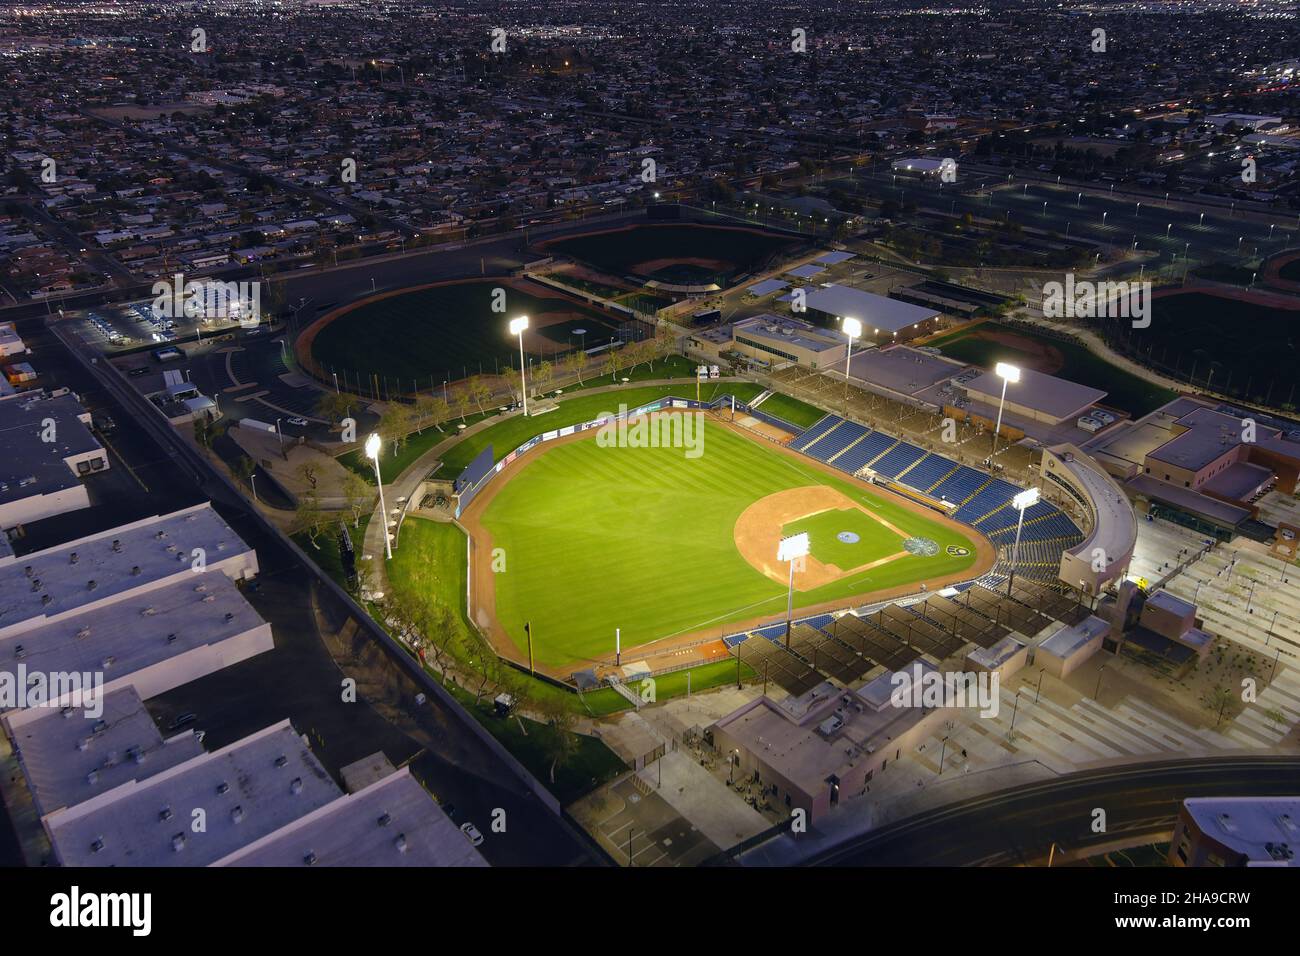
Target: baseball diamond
672, 549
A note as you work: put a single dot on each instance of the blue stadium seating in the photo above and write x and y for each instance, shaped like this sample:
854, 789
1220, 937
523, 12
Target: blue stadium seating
997, 493
820, 428
836, 441
958, 487
864, 451
898, 458
929, 470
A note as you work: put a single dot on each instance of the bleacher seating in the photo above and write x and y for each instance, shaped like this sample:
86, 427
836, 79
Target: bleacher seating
994, 495
812, 434
864, 451
835, 441
957, 488
898, 458
926, 472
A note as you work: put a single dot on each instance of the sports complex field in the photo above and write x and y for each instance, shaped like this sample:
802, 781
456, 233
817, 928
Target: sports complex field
676, 549
449, 330
682, 254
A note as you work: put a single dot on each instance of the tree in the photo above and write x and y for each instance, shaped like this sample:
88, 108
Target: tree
429, 410
578, 360
307, 472
333, 406
481, 659
358, 493
560, 741
395, 423
475, 389
460, 400
542, 377
245, 468
612, 363
309, 519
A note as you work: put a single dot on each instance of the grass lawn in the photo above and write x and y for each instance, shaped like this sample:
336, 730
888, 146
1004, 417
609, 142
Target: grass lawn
442, 333
642, 539
1125, 390
434, 552
792, 410
591, 764
328, 557
874, 539
704, 677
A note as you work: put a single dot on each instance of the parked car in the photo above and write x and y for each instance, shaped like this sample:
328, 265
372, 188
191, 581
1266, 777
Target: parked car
471, 833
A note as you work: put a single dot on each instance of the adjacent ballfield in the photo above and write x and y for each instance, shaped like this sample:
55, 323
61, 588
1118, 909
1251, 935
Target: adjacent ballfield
595, 538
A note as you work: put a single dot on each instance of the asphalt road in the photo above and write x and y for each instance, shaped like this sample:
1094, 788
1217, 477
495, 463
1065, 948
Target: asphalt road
1017, 827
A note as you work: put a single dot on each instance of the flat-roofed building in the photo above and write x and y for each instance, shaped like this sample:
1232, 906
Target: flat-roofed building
774, 340
1037, 396
884, 320
102, 568
1236, 831
152, 639
48, 449
1071, 646
391, 822
69, 757
831, 751
246, 791
1201, 464
11, 343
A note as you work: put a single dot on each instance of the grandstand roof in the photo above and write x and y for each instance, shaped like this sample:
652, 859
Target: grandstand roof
1058, 397
873, 311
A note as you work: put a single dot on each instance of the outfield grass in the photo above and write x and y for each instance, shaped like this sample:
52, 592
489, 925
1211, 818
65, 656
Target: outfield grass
1125, 390
417, 443
642, 539
792, 410
510, 433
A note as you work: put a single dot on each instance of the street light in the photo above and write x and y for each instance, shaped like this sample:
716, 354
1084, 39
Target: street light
373, 444
517, 327
791, 549
853, 329
1021, 501
1008, 373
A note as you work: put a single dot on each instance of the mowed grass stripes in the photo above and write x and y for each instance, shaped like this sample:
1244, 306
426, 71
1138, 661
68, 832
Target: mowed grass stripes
642, 539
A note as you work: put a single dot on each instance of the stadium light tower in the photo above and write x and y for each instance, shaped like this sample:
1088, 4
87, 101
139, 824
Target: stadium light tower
791, 549
853, 329
373, 444
1025, 499
517, 327
1008, 373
